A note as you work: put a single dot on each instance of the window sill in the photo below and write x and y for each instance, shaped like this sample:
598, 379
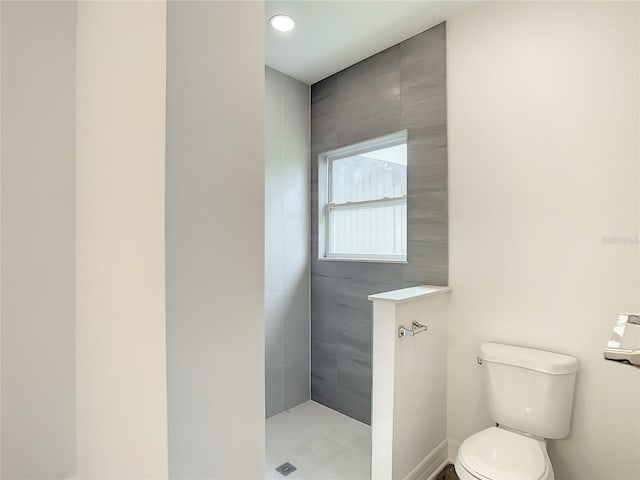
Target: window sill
363, 260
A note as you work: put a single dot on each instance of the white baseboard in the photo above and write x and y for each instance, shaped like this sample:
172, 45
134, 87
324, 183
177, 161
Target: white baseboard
428, 468
453, 450
434, 475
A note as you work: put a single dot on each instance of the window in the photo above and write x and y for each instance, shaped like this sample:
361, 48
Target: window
363, 201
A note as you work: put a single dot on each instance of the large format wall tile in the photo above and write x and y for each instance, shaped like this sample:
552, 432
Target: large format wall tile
403, 87
287, 297
274, 391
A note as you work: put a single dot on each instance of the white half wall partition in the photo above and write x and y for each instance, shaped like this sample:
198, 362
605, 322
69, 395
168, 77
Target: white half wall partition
409, 403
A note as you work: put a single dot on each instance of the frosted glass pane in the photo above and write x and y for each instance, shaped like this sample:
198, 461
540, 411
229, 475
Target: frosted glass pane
380, 230
370, 176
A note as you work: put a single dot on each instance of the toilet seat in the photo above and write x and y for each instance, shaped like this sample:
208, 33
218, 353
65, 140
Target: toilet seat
498, 454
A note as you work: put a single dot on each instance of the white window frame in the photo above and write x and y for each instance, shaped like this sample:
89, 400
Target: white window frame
325, 207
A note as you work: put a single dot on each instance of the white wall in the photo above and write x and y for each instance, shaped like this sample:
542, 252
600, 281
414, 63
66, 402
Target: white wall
121, 369
38, 322
215, 239
286, 281
543, 158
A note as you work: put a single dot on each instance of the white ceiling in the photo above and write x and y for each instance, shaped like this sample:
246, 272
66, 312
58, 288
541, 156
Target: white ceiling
332, 35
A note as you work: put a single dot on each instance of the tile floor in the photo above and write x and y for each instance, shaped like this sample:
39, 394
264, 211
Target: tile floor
321, 443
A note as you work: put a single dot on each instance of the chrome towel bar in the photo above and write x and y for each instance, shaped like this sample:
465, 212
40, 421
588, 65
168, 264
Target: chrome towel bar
417, 328
624, 345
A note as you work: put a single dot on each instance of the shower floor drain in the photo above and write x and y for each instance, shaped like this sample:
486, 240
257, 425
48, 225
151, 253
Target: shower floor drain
286, 468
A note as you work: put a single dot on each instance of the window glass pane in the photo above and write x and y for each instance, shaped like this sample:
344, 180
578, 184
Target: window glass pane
370, 176
379, 230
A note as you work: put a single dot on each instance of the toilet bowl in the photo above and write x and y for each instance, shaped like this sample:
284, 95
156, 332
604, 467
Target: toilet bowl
500, 454
530, 397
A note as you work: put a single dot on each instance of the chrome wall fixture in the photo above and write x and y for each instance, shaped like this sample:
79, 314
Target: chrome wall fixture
624, 345
417, 328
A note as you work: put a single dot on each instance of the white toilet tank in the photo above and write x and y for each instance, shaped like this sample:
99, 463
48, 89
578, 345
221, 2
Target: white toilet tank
529, 390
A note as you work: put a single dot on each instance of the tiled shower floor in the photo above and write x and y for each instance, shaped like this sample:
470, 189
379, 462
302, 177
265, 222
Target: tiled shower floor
321, 443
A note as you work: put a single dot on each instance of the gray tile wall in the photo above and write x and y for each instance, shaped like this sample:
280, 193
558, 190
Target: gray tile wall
286, 242
403, 87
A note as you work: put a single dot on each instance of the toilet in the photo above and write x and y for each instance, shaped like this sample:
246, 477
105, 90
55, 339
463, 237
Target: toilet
530, 397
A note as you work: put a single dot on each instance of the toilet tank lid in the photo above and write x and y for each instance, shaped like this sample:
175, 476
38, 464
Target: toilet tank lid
531, 358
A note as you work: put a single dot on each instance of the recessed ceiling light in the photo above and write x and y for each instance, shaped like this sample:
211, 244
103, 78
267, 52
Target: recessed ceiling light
282, 23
